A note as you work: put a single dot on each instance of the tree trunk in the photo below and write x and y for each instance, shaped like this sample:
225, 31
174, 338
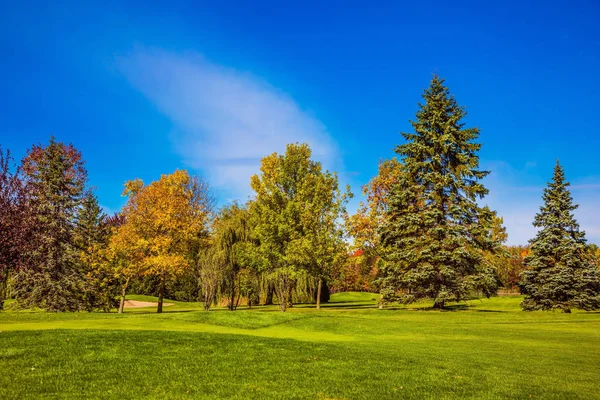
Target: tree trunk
2, 293
439, 305
123, 293
232, 293
237, 302
289, 298
319, 294
282, 293
161, 292
270, 292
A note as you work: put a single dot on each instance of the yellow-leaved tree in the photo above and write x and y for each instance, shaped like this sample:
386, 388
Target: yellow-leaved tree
164, 223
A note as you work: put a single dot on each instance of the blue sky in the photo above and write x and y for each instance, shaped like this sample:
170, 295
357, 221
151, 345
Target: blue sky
214, 86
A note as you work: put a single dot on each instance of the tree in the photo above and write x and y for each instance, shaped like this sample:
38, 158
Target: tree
511, 267
210, 274
372, 214
294, 197
231, 234
595, 250
16, 221
561, 270
435, 233
164, 220
356, 273
124, 256
56, 179
92, 231
323, 238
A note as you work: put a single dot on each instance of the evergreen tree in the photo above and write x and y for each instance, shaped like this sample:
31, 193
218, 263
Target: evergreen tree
561, 271
435, 232
90, 226
91, 236
56, 177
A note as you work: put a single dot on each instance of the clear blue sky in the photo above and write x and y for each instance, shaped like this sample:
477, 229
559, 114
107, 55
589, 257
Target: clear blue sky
213, 86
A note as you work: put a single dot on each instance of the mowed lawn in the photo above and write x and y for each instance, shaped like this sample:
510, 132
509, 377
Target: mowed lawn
349, 350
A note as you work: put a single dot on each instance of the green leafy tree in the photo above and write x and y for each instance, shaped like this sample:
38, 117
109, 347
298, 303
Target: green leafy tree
56, 178
323, 239
231, 234
435, 233
561, 270
294, 217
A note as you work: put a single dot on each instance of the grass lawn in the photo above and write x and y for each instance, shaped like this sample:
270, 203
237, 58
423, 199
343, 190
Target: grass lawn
349, 350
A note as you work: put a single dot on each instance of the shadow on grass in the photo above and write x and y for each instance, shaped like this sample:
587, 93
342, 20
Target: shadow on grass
452, 308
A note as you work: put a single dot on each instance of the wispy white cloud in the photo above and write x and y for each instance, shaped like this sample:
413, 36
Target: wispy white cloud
225, 120
518, 203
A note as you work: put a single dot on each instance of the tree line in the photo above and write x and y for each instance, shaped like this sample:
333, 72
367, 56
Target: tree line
421, 232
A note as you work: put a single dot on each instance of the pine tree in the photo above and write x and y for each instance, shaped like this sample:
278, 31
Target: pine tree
561, 273
56, 177
436, 233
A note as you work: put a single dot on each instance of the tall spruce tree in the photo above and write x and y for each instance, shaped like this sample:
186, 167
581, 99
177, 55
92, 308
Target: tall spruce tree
56, 177
561, 271
435, 232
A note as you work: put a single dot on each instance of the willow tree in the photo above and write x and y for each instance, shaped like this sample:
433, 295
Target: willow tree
436, 233
294, 213
561, 271
230, 236
164, 220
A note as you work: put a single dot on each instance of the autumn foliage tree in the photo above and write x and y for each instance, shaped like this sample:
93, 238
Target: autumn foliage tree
16, 221
372, 213
163, 222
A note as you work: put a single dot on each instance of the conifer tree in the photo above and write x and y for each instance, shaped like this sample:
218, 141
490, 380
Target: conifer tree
561, 273
56, 178
435, 232
90, 228
92, 231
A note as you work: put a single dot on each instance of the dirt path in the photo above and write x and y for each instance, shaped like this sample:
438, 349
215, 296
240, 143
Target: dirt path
140, 304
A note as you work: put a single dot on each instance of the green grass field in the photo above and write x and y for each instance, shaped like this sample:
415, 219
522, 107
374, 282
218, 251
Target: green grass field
483, 349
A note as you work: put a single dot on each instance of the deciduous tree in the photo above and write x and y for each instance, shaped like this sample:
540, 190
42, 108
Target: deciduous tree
293, 198
163, 222
364, 226
16, 221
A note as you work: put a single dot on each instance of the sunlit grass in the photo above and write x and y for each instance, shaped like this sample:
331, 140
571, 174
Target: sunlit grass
350, 349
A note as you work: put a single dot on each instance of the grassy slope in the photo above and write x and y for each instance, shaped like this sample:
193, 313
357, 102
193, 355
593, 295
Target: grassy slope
484, 349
